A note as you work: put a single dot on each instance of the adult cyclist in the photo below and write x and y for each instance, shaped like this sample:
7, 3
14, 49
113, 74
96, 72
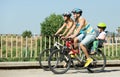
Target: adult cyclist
84, 28
68, 22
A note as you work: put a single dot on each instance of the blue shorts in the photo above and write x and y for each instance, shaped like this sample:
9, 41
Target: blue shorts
88, 39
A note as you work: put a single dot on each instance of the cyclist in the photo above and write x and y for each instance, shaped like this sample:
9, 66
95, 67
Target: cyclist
86, 34
100, 38
68, 22
74, 33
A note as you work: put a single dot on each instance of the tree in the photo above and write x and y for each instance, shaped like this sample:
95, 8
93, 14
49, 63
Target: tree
51, 24
27, 34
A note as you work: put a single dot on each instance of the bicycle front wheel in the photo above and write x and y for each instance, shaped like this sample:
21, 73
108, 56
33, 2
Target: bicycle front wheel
59, 62
99, 62
43, 59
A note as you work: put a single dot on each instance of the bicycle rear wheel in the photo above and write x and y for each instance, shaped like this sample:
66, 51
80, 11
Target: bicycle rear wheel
59, 61
99, 62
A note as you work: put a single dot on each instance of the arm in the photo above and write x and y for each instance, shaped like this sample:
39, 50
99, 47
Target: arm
66, 30
60, 29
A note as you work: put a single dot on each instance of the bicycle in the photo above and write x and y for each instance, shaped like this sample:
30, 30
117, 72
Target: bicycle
59, 57
43, 56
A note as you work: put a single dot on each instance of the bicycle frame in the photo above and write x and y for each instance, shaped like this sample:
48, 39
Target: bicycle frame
69, 44
58, 45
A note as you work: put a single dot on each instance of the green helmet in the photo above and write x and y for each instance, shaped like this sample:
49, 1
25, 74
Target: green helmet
102, 25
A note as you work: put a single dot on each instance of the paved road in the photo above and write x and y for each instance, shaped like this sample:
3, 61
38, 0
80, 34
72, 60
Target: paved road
109, 72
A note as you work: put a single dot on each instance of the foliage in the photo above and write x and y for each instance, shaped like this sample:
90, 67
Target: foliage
51, 24
27, 34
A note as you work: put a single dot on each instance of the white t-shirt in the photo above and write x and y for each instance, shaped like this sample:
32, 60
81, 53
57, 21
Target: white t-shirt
102, 35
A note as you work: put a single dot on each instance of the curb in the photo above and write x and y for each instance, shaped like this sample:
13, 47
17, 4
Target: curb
36, 64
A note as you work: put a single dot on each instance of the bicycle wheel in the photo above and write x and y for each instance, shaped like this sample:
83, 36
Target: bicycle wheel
99, 62
43, 59
59, 61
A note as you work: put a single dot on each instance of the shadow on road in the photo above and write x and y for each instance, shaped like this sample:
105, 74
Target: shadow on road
113, 70
86, 71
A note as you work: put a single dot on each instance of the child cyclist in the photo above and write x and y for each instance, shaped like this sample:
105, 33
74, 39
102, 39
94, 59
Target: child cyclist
100, 38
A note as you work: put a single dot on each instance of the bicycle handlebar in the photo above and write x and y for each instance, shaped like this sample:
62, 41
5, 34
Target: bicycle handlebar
56, 36
68, 39
65, 39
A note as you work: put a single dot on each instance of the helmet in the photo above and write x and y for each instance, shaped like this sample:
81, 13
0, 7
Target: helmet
102, 25
67, 14
77, 10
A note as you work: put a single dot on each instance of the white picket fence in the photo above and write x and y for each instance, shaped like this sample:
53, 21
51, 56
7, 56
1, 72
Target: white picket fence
15, 46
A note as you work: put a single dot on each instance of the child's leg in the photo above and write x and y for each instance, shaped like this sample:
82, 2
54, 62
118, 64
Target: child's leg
94, 47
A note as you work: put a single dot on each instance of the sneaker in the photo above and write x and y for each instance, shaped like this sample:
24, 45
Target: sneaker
93, 52
72, 56
89, 60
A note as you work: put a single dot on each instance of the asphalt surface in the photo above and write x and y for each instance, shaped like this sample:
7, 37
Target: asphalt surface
109, 72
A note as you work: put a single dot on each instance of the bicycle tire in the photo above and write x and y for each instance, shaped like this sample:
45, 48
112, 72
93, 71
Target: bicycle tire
42, 60
58, 56
94, 67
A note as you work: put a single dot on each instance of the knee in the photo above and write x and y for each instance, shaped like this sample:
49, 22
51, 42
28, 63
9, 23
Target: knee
75, 39
81, 45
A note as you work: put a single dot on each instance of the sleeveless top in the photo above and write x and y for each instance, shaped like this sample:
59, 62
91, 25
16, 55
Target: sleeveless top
87, 29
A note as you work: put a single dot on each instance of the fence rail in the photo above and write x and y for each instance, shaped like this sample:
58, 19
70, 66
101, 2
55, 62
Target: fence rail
15, 46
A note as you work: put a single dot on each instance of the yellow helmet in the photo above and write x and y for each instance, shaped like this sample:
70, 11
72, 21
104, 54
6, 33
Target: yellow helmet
102, 25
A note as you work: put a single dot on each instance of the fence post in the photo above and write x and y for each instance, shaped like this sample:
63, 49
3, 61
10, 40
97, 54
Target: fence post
54, 40
112, 47
45, 47
104, 49
35, 46
116, 46
45, 42
16, 45
31, 47
21, 46
1, 47
11, 46
109, 46
50, 41
6, 45
26, 46
41, 44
